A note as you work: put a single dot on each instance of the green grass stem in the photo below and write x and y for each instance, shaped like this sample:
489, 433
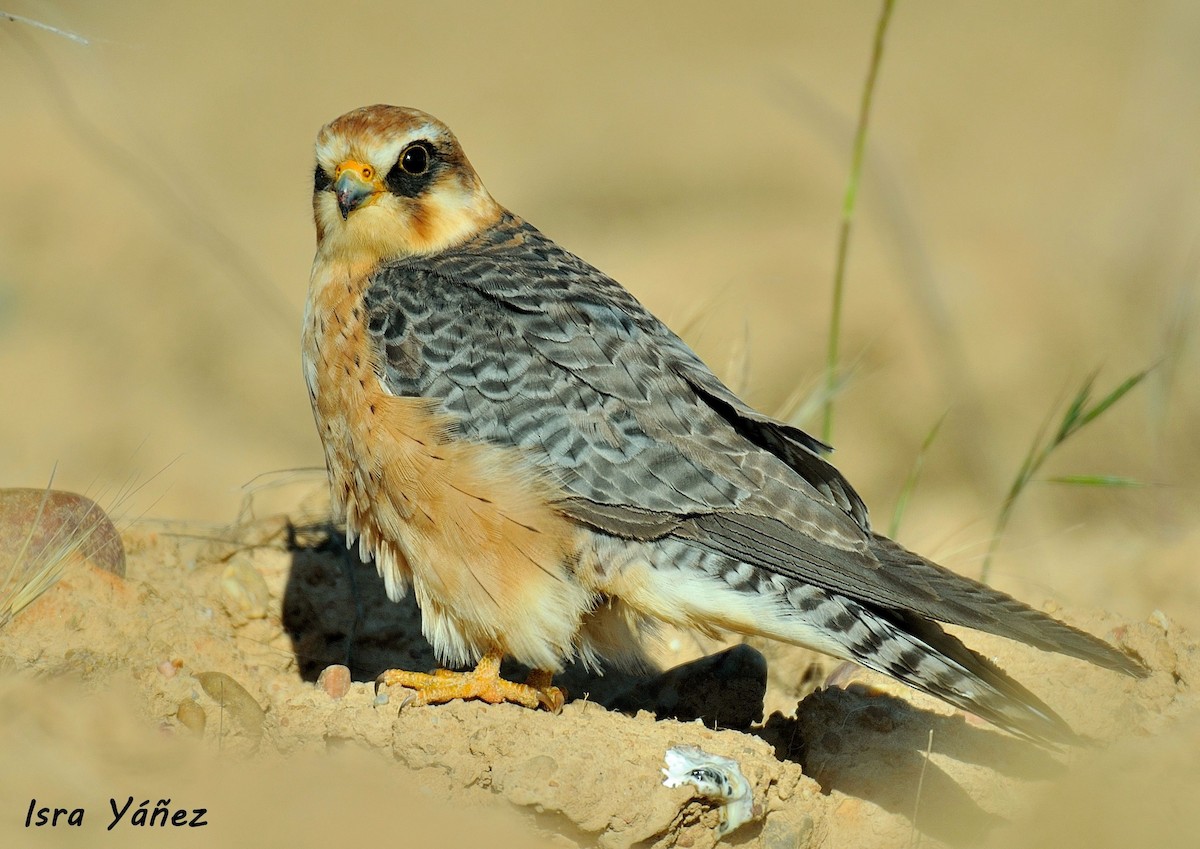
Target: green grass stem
1079, 414
848, 205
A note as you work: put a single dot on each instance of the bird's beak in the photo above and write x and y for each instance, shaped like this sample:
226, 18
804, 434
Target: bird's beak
354, 184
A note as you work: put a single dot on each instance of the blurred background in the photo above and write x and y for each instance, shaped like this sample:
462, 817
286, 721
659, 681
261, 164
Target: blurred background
1029, 214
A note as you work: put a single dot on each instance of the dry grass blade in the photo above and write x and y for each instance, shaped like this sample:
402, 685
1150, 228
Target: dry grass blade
33, 572
53, 527
914, 840
19, 590
804, 404
161, 189
30, 22
63, 526
910, 483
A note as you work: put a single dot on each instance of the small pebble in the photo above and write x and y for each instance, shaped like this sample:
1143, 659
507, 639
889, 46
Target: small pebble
244, 591
381, 699
191, 716
168, 668
232, 696
335, 680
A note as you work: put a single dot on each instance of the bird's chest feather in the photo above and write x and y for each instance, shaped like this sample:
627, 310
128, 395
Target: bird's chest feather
342, 385
383, 453
472, 525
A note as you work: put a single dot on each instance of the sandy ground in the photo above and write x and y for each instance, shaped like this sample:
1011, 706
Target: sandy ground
197, 679
1029, 215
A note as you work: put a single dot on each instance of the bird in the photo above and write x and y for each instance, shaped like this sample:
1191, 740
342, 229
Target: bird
512, 434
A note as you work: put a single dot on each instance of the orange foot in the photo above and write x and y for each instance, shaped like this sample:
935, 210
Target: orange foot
483, 682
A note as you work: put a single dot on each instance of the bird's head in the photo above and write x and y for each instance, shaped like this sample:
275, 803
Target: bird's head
392, 181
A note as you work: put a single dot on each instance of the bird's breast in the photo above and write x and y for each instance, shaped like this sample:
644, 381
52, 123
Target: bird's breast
473, 525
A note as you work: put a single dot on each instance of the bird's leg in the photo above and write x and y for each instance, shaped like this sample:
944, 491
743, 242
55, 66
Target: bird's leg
483, 682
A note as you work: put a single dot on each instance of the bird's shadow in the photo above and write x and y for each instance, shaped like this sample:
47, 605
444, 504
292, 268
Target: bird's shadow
336, 611
852, 740
882, 749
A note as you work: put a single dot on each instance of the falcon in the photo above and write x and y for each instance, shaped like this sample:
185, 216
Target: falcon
510, 433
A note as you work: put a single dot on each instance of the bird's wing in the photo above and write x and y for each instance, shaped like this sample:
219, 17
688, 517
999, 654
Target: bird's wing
528, 346
802, 452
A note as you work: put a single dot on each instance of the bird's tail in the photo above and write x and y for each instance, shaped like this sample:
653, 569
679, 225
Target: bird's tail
949, 597
918, 652
913, 649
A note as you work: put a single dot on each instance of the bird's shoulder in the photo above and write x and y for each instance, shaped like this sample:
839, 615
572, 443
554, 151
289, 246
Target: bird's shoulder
513, 267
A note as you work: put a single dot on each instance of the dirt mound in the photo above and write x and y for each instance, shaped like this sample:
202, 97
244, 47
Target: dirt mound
193, 683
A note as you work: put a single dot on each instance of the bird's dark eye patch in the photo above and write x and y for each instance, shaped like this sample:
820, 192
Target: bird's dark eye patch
321, 179
414, 160
414, 169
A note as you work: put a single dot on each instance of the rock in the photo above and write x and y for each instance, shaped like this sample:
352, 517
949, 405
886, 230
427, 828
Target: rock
192, 716
41, 531
229, 694
787, 832
37, 525
335, 680
244, 592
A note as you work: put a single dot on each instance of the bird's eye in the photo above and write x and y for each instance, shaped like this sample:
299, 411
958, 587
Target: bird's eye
416, 168
414, 160
321, 179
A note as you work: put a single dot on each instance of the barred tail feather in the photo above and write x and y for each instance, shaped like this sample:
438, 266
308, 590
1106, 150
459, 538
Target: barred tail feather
939, 664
